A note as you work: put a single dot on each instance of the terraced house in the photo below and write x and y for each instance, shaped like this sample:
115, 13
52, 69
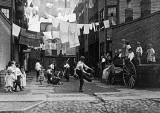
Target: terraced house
10, 11
118, 12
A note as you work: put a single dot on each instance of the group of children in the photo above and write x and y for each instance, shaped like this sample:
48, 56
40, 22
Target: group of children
52, 76
15, 76
127, 52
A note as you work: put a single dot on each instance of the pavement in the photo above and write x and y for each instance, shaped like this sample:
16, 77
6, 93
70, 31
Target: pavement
96, 98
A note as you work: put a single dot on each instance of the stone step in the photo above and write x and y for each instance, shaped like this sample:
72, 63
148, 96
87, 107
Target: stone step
64, 97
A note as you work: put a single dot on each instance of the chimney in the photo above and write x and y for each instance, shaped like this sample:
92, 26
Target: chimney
128, 12
145, 7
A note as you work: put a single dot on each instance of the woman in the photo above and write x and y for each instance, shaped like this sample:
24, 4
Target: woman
80, 72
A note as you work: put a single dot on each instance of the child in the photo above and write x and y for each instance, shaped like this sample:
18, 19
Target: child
19, 76
56, 78
9, 79
23, 79
127, 48
41, 76
151, 54
49, 75
66, 71
131, 54
139, 52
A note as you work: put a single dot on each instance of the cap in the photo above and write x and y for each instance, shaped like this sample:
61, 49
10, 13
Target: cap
9, 71
138, 43
82, 57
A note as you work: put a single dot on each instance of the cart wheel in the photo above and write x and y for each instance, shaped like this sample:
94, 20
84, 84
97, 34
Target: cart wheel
129, 74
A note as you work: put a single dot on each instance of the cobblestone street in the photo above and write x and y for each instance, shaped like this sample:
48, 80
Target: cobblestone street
96, 98
111, 106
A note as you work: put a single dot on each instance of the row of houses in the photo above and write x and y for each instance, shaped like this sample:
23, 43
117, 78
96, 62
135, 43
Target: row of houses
10, 49
126, 17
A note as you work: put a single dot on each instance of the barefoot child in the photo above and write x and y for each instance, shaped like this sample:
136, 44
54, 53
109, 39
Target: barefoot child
23, 79
9, 79
41, 76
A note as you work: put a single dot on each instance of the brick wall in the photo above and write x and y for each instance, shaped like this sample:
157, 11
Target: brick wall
5, 46
145, 30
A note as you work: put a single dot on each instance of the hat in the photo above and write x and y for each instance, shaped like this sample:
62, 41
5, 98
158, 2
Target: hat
82, 57
123, 39
120, 50
138, 43
150, 45
9, 71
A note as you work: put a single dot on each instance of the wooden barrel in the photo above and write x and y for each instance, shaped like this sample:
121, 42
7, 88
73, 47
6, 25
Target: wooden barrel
2, 77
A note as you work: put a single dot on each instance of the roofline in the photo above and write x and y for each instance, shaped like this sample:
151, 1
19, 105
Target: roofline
5, 17
135, 20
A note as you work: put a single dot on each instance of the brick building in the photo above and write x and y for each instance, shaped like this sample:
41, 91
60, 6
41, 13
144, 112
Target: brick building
145, 30
121, 11
5, 43
11, 11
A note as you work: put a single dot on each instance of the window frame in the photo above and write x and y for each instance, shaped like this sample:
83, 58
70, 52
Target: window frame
6, 12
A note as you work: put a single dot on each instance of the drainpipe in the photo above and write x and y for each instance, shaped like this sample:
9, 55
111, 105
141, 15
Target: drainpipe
105, 18
11, 40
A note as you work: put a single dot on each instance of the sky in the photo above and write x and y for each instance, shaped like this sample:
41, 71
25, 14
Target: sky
34, 23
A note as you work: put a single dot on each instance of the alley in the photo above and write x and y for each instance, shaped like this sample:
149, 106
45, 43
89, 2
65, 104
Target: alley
96, 98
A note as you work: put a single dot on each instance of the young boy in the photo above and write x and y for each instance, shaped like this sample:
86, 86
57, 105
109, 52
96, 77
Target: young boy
139, 52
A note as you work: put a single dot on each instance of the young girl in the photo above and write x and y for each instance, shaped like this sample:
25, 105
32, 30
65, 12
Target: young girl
9, 79
151, 54
19, 76
41, 76
23, 79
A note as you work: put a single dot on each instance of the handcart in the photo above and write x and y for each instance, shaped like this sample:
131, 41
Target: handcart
125, 71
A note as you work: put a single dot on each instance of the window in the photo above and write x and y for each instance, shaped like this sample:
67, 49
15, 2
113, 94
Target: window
102, 14
112, 15
5, 12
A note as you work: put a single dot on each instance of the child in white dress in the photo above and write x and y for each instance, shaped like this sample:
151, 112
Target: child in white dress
23, 79
151, 54
9, 79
